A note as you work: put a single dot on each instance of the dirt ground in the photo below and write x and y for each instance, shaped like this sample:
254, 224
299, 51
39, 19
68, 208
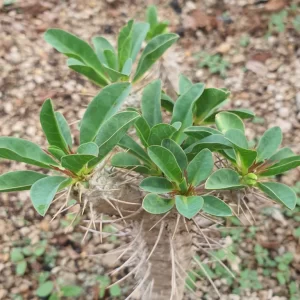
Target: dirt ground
263, 75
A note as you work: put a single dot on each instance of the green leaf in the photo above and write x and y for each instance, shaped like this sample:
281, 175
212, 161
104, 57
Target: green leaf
242, 113
126, 70
154, 204
76, 162
139, 32
209, 101
51, 127
244, 157
111, 132
224, 179
213, 142
56, 152
16, 255
184, 84
177, 151
101, 44
153, 51
216, 207
167, 102
226, 121
64, 128
85, 70
269, 143
156, 185
115, 291
125, 43
151, 104
19, 180
102, 107
188, 206
284, 165
43, 191
152, 16
183, 108
279, 192
200, 167
24, 151
134, 148
200, 132
21, 268
71, 290
281, 154
45, 289
89, 148
160, 132
166, 162
142, 130
74, 47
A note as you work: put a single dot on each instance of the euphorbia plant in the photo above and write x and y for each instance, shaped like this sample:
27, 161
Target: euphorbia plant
168, 158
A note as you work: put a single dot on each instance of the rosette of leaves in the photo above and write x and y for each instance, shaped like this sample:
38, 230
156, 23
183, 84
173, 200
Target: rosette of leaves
174, 179
104, 64
100, 131
250, 167
207, 105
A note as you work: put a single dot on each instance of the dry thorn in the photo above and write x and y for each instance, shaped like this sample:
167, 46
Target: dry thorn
157, 240
159, 221
175, 229
205, 237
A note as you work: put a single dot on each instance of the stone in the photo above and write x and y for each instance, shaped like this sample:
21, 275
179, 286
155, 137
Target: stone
257, 67
284, 112
224, 48
298, 100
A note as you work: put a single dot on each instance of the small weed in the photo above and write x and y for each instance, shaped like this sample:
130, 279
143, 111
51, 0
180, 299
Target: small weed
215, 63
245, 40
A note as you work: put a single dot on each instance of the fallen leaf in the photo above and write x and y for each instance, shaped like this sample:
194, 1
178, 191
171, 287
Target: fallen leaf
275, 5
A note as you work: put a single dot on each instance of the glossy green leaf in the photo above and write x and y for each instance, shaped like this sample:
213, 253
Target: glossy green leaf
89, 148
112, 60
188, 206
71, 291
226, 121
113, 74
166, 162
155, 204
51, 127
142, 130
176, 125
184, 84
216, 207
111, 133
242, 113
151, 104
134, 148
101, 44
200, 167
153, 51
126, 70
102, 107
160, 132
183, 109
21, 268
64, 128
200, 132
24, 151
167, 102
224, 179
56, 152
43, 192
281, 154
213, 142
157, 185
86, 71
74, 47
279, 192
139, 32
269, 143
177, 151
125, 43
19, 180
76, 162
282, 166
210, 100
237, 138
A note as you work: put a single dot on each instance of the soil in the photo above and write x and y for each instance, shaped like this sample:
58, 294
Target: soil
264, 76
